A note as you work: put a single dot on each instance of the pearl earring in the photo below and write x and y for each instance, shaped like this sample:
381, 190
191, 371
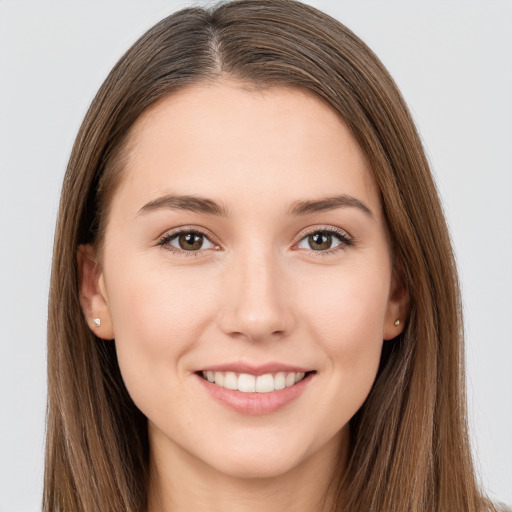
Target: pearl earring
96, 321
397, 322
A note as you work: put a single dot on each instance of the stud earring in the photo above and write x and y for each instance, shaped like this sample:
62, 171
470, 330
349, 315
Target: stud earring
96, 321
397, 322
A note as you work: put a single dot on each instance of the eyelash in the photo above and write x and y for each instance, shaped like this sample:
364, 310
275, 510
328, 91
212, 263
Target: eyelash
345, 241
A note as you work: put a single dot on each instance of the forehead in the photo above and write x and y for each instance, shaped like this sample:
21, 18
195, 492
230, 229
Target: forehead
224, 141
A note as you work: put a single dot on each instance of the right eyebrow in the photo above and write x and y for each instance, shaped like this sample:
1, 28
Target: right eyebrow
328, 203
194, 204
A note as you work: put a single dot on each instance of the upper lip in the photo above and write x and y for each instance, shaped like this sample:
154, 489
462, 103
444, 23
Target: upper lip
255, 369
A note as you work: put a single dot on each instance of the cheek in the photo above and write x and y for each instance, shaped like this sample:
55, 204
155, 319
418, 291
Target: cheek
346, 316
157, 317
349, 303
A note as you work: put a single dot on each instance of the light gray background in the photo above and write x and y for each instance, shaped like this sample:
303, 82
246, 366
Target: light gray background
452, 60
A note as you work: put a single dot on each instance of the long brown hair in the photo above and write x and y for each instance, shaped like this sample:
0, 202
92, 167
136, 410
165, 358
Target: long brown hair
409, 445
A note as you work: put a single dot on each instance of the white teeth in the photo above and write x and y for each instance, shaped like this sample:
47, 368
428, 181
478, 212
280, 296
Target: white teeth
230, 380
219, 378
248, 383
280, 381
265, 383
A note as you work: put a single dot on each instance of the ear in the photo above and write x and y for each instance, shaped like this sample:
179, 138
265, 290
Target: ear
398, 307
92, 291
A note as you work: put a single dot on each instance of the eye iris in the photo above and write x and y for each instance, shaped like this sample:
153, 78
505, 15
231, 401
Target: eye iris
190, 241
320, 241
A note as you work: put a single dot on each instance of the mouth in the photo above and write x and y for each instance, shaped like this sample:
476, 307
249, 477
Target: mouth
249, 383
255, 389
258, 392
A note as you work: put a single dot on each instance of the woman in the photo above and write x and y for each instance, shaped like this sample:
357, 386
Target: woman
248, 213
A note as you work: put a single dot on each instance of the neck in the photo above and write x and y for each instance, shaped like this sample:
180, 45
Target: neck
179, 482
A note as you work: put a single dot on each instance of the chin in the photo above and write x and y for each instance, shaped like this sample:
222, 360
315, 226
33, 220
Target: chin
258, 467
272, 455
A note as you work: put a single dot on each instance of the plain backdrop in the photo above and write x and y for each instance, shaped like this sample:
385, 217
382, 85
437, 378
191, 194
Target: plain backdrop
453, 63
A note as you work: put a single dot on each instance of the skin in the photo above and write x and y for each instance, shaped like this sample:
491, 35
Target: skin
255, 291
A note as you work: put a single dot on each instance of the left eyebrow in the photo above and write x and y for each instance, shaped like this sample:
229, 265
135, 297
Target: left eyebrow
328, 203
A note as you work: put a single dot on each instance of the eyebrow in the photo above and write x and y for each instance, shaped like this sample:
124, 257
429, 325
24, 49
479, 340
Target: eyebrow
328, 203
194, 204
197, 204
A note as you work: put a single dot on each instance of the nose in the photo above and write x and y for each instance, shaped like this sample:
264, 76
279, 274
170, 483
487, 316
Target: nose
257, 302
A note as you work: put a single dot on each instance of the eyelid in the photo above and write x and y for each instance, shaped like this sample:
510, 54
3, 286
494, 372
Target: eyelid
326, 229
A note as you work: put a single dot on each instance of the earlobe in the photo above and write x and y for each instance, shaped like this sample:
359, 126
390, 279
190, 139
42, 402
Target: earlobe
93, 294
397, 310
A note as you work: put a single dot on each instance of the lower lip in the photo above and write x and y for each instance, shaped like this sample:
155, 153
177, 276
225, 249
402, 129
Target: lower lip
256, 404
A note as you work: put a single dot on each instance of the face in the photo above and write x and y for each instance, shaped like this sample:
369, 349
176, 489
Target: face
245, 246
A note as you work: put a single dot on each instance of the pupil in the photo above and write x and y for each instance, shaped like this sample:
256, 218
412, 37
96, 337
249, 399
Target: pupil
190, 241
320, 241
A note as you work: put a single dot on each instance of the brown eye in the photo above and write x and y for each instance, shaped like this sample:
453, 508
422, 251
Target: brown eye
325, 240
320, 241
187, 241
190, 241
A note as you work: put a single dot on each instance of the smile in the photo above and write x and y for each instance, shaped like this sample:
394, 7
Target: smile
247, 383
255, 390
